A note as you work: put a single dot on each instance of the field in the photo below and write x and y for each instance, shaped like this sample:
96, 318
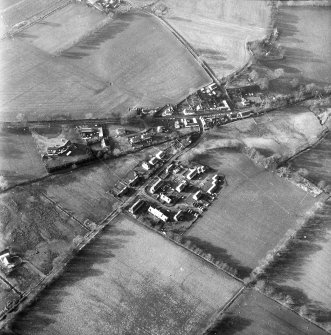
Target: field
283, 133
217, 30
35, 229
253, 313
307, 51
251, 215
6, 295
20, 160
132, 281
303, 269
100, 75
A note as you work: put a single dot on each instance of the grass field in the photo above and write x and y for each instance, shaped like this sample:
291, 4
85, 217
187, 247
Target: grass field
35, 229
218, 29
303, 269
283, 132
251, 215
132, 281
307, 51
6, 295
144, 63
253, 313
20, 160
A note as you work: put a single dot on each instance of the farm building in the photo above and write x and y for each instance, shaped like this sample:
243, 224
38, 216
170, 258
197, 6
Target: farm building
136, 206
5, 259
193, 172
180, 188
59, 149
178, 215
145, 166
160, 154
153, 161
197, 195
156, 186
165, 198
157, 213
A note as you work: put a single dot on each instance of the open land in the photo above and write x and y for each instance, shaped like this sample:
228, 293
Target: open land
217, 30
20, 160
251, 215
303, 269
284, 132
132, 282
78, 86
254, 313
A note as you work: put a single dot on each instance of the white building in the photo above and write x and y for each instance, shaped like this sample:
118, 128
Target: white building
181, 186
157, 213
212, 188
197, 195
178, 215
193, 172
136, 206
160, 154
156, 186
153, 161
165, 198
5, 259
146, 166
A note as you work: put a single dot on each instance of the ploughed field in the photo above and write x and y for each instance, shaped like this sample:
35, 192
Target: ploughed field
218, 30
254, 313
131, 281
20, 160
105, 66
253, 214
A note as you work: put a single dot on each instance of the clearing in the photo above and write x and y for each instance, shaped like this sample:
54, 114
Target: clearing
20, 160
132, 281
254, 313
251, 215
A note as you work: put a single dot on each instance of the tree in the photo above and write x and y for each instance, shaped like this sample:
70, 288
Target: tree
254, 75
279, 72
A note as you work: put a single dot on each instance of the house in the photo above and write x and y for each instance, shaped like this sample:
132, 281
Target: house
178, 215
122, 191
193, 172
160, 129
165, 198
177, 124
190, 122
157, 213
146, 137
245, 114
136, 206
215, 178
167, 110
212, 188
197, 195
156, 186
188, 112
160, 154
135, 180
170, 167
59, 149
145, 166
120, 131
180, 188
5, 259
153, 161
201, 169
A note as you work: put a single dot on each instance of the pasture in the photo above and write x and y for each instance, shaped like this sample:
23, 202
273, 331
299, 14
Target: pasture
254, 313
133, 60
303, 269
251, 215
20, 160
35, 229
132, 281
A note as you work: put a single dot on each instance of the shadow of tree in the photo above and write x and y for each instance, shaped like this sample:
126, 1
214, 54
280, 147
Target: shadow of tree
230, 324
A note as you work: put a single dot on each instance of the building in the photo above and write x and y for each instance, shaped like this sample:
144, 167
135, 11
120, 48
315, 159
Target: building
120, 131
145, 166
160, 129
180, 188
136, 206
165, 198
193, 172
201, 169
135, 180
170, 167
160, 154
246, 114
156, 186
146, 137
188, 112
157, 213
190, 122
197, 195
167, 110
122, 191
177, 124
178, 216
5, 259
134, 140
212, 188
215, 178
153, 161
59, 149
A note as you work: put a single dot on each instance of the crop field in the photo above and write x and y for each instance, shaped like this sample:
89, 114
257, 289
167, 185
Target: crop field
251, 215
132, 281
254, 313
303, 269
131, 61
20, 160
284, 132
40, 233
307, 52
64, 28
218, 30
